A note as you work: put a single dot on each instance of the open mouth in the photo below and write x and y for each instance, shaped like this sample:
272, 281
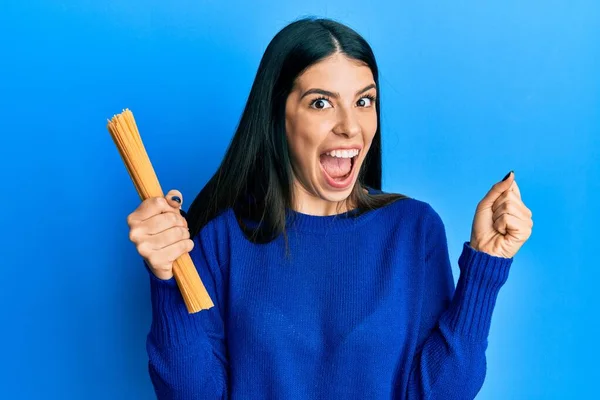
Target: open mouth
338, 169
352, 162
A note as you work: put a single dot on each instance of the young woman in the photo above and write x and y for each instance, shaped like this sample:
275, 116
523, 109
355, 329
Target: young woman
324, 286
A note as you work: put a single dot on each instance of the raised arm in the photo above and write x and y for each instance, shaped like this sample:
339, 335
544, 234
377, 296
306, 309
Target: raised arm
450, 362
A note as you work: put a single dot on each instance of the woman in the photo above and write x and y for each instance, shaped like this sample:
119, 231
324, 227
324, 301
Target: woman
324, 286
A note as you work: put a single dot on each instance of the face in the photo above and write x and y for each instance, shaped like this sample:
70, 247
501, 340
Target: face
330, 123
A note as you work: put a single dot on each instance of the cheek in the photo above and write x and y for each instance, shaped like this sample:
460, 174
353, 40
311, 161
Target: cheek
369, 128
300, 144
306, 134
311, 124
369, 124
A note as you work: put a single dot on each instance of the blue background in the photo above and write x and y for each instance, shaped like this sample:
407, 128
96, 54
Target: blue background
470, 90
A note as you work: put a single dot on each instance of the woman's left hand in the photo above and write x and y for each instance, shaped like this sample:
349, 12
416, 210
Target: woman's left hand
502, 223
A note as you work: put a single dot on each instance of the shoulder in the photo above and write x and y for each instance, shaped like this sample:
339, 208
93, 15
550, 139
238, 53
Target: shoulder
421, 222
408, 207
428, 218
413, 203
408, 215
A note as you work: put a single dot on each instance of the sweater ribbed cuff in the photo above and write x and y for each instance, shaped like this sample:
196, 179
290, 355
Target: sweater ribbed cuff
481, 277
171, 324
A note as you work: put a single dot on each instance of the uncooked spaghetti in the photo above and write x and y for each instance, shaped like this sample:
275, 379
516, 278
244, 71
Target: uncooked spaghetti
125, 134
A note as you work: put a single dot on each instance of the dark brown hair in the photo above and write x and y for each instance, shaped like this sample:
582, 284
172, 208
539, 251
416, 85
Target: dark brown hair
255, 176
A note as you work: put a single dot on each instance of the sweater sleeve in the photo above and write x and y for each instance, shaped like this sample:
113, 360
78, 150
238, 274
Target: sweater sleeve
187, 352
450, 361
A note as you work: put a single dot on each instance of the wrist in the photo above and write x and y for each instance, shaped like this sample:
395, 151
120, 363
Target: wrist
473, 245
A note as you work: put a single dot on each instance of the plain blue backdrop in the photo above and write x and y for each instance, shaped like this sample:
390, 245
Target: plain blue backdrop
470, 90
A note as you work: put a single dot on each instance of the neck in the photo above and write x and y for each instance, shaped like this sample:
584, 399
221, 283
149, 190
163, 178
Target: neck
307, 203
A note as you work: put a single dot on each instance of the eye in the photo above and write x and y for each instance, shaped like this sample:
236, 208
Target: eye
369, 100
320, 103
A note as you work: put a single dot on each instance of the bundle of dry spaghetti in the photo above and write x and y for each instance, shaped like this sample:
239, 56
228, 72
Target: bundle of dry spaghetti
124, 132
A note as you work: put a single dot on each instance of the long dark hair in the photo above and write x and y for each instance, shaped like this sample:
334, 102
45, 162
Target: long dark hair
255, 176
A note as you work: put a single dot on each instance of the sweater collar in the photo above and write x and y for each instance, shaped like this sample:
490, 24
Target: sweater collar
328, 223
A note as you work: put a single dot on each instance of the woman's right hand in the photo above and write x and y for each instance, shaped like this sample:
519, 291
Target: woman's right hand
160, 233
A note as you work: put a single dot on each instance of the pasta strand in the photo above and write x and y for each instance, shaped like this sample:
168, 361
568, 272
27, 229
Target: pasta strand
124, 132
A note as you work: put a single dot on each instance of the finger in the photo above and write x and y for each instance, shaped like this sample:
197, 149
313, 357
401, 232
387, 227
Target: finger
501, 199
515, 188
168, 237
512, 207
164, 221
149, 208
509, 195
513, 197
173, 251
496, 191
509, 225
155, 225
174, 198
176, 250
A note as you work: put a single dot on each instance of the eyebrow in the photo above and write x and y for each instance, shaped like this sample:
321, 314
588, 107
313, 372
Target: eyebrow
335, 94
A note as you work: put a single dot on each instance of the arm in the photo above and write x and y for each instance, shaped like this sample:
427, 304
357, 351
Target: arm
450, 361
187, 352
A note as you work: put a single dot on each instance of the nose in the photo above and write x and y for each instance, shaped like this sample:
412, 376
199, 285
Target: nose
347, 124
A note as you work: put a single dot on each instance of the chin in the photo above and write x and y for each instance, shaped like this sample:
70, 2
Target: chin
336, 196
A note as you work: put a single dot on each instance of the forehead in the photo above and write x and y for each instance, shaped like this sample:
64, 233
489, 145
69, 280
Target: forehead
336, 72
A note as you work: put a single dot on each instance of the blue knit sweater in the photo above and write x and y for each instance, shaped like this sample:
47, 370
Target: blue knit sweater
365, 308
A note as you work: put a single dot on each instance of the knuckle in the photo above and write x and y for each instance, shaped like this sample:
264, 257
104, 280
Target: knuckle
510, 207
171, 219
165, 268
172, 255
158, 201
152, 259
133, 235
143, 249
184, 246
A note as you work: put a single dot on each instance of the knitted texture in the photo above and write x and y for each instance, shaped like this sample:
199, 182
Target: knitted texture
365, 307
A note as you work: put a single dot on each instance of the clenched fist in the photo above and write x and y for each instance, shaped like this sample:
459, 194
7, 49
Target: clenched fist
160, 233
502, 222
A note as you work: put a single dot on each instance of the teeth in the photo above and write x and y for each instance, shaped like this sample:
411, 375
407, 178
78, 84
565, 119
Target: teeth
343, 153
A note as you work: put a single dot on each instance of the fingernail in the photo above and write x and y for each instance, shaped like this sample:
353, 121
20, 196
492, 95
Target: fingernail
507, 175
176, 198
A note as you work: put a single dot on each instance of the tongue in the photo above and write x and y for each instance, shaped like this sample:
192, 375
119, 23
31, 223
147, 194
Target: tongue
334, 166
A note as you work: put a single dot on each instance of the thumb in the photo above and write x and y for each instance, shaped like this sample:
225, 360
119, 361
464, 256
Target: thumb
174, 198
498, 189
